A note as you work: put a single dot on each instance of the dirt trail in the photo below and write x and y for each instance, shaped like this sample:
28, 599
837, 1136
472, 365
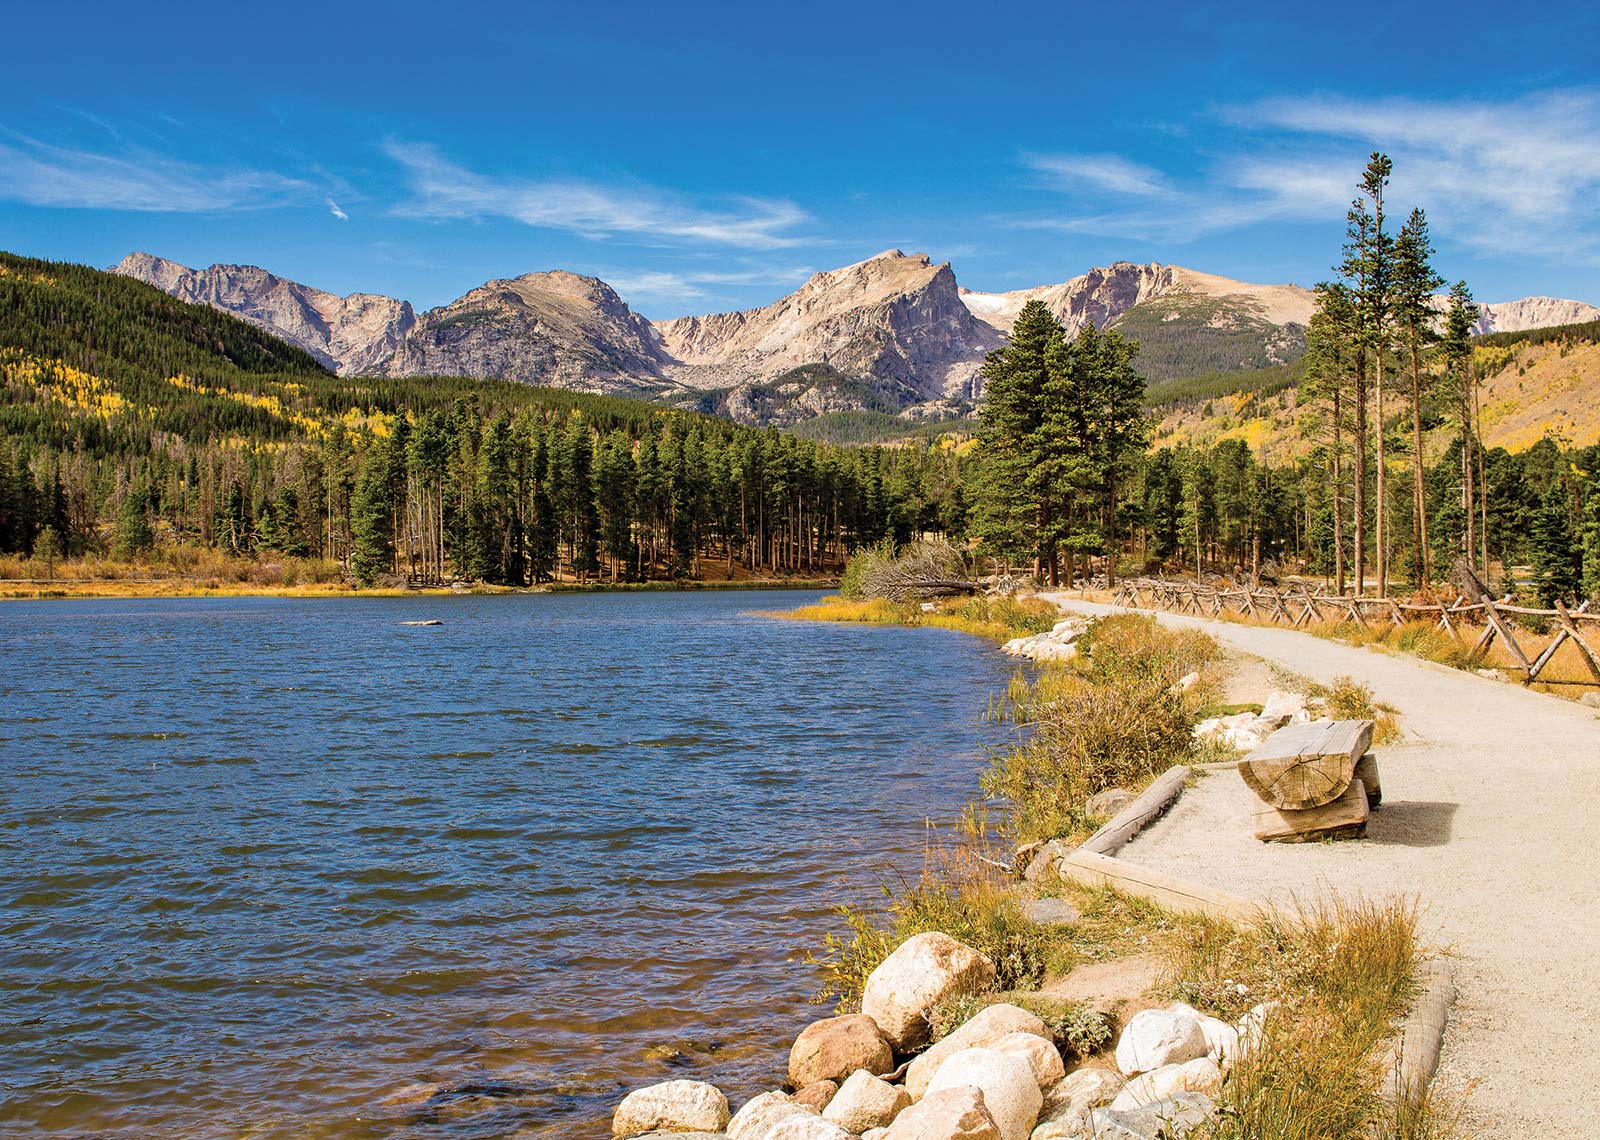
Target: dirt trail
1491, 817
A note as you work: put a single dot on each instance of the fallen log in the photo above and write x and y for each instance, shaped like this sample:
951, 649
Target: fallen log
1343, 818
1306, 765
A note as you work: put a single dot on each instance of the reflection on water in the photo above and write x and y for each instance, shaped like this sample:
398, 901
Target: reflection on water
267, 867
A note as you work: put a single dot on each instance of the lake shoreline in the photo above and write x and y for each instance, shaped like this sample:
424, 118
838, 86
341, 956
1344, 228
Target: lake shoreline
31, 590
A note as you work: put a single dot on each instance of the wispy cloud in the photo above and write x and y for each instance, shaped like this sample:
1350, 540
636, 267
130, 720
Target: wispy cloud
1519, 175
1109, 172
40, 174
443, 189
695, 285
333, 208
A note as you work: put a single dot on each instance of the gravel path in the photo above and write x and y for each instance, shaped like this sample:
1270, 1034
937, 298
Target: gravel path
1489, 818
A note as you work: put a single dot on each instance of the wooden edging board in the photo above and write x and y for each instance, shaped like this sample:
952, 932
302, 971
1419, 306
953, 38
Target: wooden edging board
1422, 1034
1150, 806
1095, 870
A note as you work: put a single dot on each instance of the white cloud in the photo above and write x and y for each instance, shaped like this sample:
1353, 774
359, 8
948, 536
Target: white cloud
1110, 172
445, 190
333, 208
1518, 175
43, 175
693, 285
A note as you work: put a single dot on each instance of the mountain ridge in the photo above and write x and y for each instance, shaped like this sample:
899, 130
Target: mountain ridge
894, 329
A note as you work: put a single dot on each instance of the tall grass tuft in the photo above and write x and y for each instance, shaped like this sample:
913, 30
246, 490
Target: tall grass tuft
1341, 971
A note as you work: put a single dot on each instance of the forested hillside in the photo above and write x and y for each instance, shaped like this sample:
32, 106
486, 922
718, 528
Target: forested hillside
129, 420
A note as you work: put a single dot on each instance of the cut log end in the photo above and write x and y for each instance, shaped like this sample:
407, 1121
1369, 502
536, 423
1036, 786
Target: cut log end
1306, 765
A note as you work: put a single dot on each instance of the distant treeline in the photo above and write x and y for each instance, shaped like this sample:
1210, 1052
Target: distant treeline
130, 418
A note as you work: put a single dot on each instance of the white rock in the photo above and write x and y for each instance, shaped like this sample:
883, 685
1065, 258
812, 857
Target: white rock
1041, 1054
949, 1114
1283, 707
1068, 1102
1187, 682
1202, 1075
874, 1134
674, 1106
806, 1127
761, 1113
1169, 1119
983, 1028
1158, 1037
1222, 1040
864, 1102
922, 972
1010, 1093
1211, 726
1253, 1026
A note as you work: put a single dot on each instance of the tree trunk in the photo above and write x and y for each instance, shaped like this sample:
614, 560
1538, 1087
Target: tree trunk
1419, 488
1381, 528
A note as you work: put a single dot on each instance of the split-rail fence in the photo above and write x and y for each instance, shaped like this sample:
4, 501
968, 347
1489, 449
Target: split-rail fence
1299, 605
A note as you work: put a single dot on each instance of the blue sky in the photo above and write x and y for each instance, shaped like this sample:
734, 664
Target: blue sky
703, 157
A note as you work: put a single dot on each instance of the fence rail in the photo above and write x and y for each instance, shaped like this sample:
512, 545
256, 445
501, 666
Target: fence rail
1297, 607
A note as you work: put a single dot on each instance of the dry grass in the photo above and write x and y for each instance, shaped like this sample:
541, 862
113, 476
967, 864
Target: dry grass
998, 619
1115, 718
1341, 971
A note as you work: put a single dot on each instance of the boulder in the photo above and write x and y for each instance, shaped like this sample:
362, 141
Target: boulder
1068, 1102
874, 1134
1040, 1052
1253, 1026
1069, 629
672, 1106
1222, 1040
1042, 864
1590, 699
805, 1127
924, 970
832, 1049
760, 1113
1159, 1037
1050, 912
1010, 1092
1201, 1075
958, 1113
816, 1095
1109, 802
1283, 707
983, 1028
864, 1102
1164, 1120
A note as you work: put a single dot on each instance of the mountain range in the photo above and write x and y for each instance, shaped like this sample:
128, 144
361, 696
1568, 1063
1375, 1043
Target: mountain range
894, 332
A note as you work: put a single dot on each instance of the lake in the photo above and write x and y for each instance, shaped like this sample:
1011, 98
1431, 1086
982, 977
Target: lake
265, 863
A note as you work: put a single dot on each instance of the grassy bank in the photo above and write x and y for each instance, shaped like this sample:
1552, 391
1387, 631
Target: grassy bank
999, 618
1331, 980
183, 571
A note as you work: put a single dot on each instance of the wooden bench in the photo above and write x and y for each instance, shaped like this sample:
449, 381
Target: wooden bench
1315, 781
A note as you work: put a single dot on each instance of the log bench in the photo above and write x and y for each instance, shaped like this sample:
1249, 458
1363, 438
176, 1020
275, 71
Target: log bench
1315, 781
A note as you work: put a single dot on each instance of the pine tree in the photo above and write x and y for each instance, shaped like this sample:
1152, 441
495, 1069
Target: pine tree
371, 507
1012, 512
1415, 283
132, 535
1460, 319
1556, 565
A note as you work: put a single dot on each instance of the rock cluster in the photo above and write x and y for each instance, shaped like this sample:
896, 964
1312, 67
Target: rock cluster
1059, 644
1247, 731
997, 1076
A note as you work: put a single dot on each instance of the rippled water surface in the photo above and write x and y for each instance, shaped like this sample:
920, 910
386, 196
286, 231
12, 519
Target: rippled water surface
265, 863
